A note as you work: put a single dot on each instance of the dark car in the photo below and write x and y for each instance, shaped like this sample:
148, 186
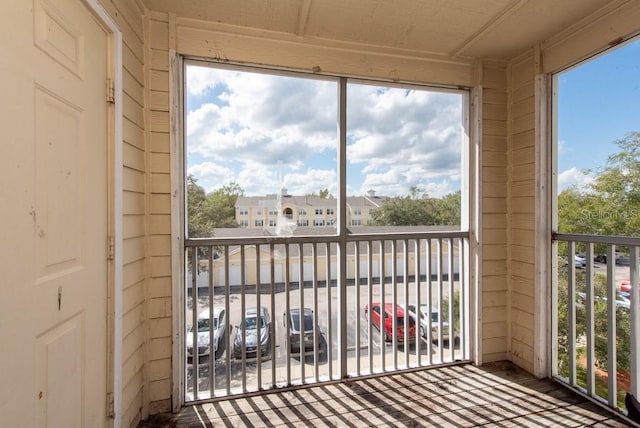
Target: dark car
303, 333
256, 333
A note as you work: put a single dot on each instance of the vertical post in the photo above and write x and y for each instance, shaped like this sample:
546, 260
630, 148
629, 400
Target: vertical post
226, 337
612, 371
571, 311
635, 320
342, 226
591, 335
211, 338
195, 348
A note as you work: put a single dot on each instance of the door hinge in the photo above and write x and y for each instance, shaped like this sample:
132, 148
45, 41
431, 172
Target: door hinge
111, 248
111, 91
111, 413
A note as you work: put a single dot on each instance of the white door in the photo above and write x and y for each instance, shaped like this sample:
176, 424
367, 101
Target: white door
53, 234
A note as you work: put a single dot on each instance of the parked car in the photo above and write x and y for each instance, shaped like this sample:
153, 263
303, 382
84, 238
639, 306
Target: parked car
257, 334
303, 326
379, 313
426, 313
205, 322
625, 286
600, 258
580, 261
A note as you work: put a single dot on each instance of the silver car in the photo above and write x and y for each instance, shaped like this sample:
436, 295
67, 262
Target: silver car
427, 315
205, 322
256, 332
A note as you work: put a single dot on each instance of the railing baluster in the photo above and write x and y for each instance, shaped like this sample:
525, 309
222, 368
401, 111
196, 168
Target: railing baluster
258, 319
634, 277
571, 312
329, 313
356, 285
212, 359
303, 354
369, 298
314, 255
287, 313
416, 270
452, 320
612, 374
427, 273
227, 336
274, 315
383, 343
243, 308
440, 291
591, 382
195, 366
407, 337
394, 303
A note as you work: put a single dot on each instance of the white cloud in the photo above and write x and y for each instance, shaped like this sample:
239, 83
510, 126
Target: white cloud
574, 177
211, 176
251, 122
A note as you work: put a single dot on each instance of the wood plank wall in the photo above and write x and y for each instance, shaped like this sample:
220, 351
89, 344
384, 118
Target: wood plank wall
521, 211
494, 212
129, 16
159, 303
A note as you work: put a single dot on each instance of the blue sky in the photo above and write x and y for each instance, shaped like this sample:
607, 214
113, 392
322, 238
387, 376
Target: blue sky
598, 103
270, 131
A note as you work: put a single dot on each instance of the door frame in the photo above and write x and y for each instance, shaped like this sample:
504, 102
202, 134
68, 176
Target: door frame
114, 310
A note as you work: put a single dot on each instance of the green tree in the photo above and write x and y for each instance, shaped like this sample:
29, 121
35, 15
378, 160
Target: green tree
196, 223
417, 209
448, 209
610, 205
214, 210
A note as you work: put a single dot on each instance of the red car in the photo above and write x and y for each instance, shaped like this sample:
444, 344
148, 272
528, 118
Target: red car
375, 316
625, 286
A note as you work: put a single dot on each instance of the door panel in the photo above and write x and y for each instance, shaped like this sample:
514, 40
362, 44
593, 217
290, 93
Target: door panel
53, 258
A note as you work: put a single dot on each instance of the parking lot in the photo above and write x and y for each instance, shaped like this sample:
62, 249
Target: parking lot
366, 350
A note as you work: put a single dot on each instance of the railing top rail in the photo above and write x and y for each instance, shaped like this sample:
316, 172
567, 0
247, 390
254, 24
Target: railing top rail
309, 239
597, 239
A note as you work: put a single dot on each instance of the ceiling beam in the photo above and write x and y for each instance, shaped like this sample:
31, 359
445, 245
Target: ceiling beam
303, 17
489, 26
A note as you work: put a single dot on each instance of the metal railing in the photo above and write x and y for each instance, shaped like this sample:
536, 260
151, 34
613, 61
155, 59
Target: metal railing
275, 312
596, 316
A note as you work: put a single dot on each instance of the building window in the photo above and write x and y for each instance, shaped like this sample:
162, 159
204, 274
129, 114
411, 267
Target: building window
244, 211
356, 222
357, 211
244, 223
331, 222
288, 213
318, 222
303, 222
371, 211
259, 211
273, 212
330, 211
272, 223
259, 223
318, 211
302, 211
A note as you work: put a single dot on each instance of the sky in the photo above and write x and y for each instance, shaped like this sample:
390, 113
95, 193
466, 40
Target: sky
268, 131
598, 103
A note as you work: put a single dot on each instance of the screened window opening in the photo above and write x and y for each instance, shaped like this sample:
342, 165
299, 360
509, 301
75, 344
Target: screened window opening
348, 243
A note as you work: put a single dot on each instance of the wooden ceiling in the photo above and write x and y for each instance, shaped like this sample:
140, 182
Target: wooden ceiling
494, 29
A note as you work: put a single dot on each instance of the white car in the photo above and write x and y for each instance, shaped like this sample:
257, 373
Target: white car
427, 314
219, 323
